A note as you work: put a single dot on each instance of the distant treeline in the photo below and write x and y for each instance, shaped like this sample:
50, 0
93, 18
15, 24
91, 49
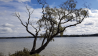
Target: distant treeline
15, 37
88, 35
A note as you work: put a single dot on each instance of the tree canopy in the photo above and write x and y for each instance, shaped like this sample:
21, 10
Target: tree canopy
53, 21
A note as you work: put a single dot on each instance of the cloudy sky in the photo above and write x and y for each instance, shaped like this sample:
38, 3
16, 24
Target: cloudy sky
11, 26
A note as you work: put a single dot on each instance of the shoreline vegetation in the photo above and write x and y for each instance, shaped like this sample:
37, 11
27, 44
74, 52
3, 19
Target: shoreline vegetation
24, 52
84, 35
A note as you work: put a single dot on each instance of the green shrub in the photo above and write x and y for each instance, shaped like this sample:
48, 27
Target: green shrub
24, 52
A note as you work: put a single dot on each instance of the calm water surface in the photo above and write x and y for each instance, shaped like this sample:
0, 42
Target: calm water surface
69, 46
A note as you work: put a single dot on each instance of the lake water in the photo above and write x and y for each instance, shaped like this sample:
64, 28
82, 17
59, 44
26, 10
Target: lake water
69, 46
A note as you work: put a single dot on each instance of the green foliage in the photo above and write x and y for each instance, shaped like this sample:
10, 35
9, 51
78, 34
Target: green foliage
24, 52
53, 18
61, 34
84, 13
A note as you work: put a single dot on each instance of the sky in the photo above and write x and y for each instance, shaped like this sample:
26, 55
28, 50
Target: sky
10, 26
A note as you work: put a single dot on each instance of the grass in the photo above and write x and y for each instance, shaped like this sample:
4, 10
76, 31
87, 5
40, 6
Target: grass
24, 52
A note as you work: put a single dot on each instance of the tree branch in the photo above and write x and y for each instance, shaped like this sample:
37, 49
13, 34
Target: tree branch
73, 24
18, 16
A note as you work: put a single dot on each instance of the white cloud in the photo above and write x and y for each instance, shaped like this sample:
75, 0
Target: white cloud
23, 0
93, 13
10, 24
5, 30
89, 23
6, 0
7, 25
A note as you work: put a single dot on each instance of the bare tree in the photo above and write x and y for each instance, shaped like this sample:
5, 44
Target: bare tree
53, 21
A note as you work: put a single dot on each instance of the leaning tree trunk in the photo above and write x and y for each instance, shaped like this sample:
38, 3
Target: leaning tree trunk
34, 44
40, 48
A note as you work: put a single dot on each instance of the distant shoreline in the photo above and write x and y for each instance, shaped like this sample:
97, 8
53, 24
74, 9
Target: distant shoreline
14, 37
89, 35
